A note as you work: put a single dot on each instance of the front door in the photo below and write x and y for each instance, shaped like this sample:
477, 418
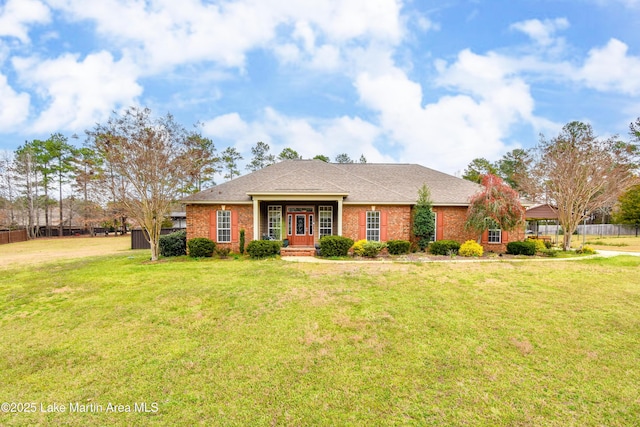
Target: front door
300, 225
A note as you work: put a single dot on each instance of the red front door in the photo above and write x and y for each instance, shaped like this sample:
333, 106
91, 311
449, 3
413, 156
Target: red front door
300, 226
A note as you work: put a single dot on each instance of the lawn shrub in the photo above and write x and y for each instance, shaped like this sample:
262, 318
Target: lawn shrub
174, 244
471, 248
263, 248
358, 247
551, 253
223, 252
335, 246
398, 247
373, 249
540, 246
522, 248
200, 247
444, 247
586, 250
548, 244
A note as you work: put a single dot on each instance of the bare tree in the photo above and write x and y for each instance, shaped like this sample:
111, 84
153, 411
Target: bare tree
150, 156
579, 173
25, 168
7, 187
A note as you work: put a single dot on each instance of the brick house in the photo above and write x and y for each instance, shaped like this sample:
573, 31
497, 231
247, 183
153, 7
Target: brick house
303, 200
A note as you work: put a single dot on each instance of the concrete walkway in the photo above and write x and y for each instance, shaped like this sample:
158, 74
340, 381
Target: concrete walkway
609, 254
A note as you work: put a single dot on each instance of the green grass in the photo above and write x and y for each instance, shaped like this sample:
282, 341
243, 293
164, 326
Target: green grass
240, 342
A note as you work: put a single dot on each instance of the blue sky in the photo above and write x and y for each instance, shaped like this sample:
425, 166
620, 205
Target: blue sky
431, 82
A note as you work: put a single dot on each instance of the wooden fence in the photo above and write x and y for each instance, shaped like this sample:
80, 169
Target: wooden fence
13, 236
138, 240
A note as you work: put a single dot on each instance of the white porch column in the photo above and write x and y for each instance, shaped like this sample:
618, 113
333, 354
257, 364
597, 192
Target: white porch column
256, 219
340, 216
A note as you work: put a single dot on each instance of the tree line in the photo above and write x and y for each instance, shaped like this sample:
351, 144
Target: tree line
577, 173
53, 181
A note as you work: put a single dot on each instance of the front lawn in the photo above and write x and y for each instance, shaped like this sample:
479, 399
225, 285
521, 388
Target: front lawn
241, 342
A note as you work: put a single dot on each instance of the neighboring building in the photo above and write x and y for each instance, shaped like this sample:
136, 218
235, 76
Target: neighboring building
303, 200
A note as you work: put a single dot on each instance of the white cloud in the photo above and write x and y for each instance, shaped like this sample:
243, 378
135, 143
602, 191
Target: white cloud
167, 33
487, 100
542, 32
17, 15
14, 107
309, 137
79, 93
610, 68
226, 126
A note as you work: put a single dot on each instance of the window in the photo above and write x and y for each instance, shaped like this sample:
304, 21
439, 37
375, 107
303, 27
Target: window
495, 235
289, 225
325, 216
274, 220
373, 226
310, 225
224, 226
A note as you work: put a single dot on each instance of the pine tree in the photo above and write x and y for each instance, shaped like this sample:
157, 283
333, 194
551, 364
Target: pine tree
423, 218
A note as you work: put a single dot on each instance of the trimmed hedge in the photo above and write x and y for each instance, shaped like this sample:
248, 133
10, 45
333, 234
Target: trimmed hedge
335, 246
263, 248
174, 244
522, 248
200, 247
398, 247
444, 247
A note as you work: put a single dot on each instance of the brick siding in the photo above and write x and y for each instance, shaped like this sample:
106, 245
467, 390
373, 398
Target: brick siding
398, 224
453, 221
198, 223
398, 221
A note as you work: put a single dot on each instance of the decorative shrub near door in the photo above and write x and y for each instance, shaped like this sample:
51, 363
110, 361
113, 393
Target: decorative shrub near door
335, 246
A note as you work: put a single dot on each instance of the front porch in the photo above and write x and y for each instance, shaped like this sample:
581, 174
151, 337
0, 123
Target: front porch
300, 220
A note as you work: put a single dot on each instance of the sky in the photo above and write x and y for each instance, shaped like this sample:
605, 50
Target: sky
437, 83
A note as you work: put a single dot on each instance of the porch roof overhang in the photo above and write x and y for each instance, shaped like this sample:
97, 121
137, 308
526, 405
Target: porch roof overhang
218, 202
296, 196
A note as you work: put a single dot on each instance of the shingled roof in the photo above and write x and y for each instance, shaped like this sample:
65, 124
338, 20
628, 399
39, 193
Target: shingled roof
359, 183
